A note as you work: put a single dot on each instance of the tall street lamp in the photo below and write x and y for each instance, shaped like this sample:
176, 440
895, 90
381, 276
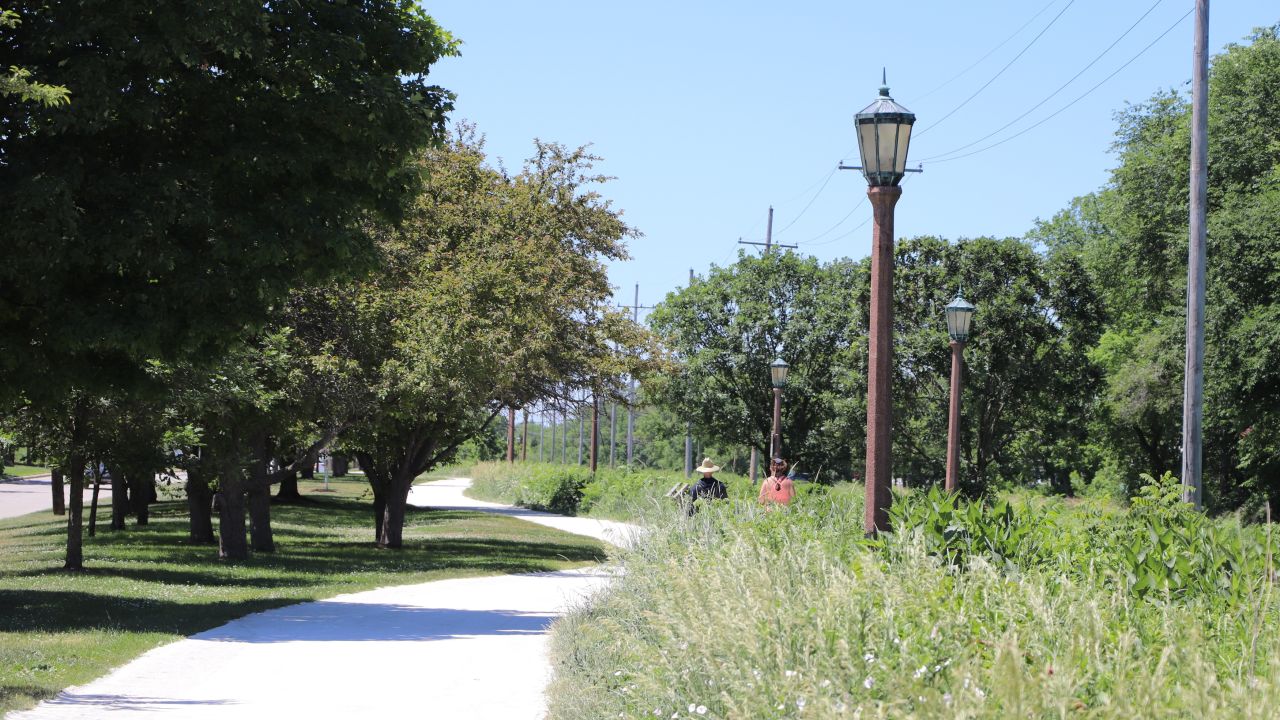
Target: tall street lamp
959, 315
884, 132
778, 374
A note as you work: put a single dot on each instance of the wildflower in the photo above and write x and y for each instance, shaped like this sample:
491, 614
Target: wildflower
978, 691
701, 710
825, 683
920, 673
617, 673
869, 657
868, 682
840, 706
938, 669
693, 706
657, 712
946, 698
790, 673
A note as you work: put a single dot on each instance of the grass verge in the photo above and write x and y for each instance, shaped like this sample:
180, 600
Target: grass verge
18, 471
147, 586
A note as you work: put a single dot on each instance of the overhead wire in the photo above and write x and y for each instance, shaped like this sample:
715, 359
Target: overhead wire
989, 53
825, 182
1053, 94
1007, 65
1082, 96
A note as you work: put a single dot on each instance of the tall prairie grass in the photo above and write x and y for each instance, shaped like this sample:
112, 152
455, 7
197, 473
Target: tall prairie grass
742, 613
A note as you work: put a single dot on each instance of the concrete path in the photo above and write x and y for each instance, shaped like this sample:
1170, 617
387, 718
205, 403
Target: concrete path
473, 648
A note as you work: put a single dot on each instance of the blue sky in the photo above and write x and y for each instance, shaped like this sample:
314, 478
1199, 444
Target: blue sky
708, 113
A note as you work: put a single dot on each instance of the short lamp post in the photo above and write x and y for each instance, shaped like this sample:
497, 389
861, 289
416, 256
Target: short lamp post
959, 316
778, 374
884, 132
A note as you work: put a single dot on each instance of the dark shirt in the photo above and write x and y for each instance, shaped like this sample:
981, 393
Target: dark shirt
707, 488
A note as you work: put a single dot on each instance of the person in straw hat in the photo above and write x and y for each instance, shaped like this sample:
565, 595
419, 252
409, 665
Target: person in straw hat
707, 488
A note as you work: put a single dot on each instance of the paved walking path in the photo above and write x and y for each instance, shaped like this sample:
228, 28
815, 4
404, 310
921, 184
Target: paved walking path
473, 648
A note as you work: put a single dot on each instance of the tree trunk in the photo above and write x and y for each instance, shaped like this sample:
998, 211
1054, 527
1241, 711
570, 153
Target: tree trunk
340, 465
309, 471
260, 499
142, 486
119, 497
230, 505
391, 532
75, 540
260, 518
199, 504
59, 490
288, 491
93, 503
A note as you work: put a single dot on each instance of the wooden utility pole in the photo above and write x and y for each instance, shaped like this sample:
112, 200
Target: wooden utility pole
524, 437
1193, 377
542, 430
631, 394
595, 432
768, 237
613, 433
580, 433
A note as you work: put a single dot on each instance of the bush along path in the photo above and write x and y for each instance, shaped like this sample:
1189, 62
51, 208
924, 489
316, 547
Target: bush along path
469, 647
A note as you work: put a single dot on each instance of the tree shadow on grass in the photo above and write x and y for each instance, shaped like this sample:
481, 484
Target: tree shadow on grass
27, 610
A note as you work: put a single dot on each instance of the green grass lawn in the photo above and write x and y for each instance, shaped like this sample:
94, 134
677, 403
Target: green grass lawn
24, 470
147, 586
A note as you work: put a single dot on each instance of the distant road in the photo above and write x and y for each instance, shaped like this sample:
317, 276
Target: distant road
35, 493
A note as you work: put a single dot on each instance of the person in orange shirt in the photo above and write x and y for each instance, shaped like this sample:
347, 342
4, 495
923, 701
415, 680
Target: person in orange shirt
777, 488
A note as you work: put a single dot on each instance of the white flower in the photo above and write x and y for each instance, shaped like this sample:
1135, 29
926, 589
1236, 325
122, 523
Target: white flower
966, 683
825, 684
701, 710
920, 673
840, 706
869, 657
693, 706
790, 673
937, 668
616, 673
946, 698
868, 682
800, 703
757, 673
978, 691
657, 712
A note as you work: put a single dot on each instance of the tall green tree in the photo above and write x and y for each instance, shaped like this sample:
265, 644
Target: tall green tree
725, 329
1131, 236
492, 294
217, 154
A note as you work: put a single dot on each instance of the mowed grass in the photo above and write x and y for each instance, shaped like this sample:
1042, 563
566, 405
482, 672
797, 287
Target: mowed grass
19, 471
147, 585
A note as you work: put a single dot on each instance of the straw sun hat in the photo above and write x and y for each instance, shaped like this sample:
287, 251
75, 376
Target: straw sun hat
707, 466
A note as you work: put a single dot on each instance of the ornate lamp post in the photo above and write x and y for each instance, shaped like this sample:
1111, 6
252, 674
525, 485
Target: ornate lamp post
959, 315
884, 132
778, 374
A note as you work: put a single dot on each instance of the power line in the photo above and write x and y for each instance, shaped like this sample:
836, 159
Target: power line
842, 221
811, 200
1078, 99
977, 62
1001, 72
1053, 94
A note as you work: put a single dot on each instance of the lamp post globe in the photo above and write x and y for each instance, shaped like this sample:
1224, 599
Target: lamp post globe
884, 136
959, 317
778, 373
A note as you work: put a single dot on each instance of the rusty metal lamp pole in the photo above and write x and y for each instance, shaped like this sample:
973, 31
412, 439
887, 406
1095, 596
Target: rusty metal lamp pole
959, 315
778, 375
884, 132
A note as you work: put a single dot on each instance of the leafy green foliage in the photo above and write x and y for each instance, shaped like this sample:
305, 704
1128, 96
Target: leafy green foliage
19, 81
957, 530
